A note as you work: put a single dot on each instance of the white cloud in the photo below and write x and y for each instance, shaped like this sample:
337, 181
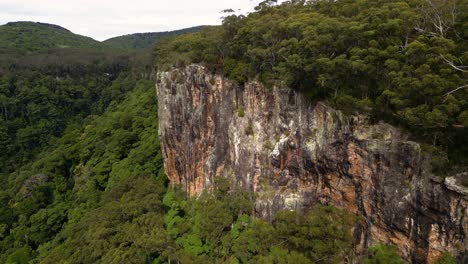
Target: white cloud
102, 19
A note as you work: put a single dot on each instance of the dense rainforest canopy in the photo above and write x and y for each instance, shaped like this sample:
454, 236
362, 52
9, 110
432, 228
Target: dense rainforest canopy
404, 62
81, 172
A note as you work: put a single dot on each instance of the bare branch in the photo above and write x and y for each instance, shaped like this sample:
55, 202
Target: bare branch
438, 14
458, 68
454, 90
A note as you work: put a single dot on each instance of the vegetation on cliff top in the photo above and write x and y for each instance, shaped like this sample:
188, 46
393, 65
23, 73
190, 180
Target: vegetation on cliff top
400, 61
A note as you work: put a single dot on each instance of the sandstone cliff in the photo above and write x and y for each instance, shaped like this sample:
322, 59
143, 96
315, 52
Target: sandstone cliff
294, 154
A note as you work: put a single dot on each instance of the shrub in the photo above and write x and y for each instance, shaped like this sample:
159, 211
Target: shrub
446, 258
241, 112
249, 130
439, 158
212, 81
20, 256
268, 145
383, 254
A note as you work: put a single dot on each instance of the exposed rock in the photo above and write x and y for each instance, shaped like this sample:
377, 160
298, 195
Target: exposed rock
295, 154
453, 184
31, 184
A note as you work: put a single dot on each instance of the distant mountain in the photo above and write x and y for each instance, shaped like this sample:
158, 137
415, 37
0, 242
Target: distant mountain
143, 40
37, 36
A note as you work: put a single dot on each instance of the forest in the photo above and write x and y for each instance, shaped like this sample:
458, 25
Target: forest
81, 170
94, 190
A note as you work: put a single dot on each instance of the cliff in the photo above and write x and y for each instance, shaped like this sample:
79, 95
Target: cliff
295, 154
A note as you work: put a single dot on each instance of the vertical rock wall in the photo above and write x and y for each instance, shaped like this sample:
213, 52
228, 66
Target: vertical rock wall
294, 155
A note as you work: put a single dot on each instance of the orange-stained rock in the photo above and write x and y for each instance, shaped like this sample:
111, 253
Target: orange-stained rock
295, 154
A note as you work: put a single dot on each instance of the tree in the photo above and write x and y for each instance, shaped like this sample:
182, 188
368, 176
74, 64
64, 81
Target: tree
20, 256
439, 16
446, 258
380, 254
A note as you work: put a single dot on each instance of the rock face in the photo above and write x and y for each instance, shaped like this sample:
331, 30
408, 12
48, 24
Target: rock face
295, 154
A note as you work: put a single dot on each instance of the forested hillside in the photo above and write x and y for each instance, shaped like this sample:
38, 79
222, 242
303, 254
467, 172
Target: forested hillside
42, 92
36, 36
399, 61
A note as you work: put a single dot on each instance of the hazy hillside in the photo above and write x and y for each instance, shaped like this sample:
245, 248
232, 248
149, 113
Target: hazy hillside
36, 36
144, 40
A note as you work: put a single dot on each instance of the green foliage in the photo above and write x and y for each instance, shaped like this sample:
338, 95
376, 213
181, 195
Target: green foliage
323, 235
241, 112
81, 169
268, 145
128, 227
439, 159
255, 240
249, 130
42, 92
145, 40
380, 254
20, 256
218, 227
35, 36
82, 204
446, 258
278, 255
201, 46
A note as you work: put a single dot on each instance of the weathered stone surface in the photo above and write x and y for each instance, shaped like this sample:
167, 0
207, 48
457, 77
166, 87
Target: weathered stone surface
295, 154
32, 183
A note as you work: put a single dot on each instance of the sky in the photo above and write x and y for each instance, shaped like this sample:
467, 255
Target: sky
103, 19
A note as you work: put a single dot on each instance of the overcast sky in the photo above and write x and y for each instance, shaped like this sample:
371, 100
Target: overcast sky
102, 19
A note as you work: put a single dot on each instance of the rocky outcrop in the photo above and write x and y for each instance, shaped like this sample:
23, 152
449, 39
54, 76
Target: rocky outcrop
295, 154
